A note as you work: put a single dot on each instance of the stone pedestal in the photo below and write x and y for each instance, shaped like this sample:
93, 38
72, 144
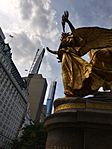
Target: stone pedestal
80, 123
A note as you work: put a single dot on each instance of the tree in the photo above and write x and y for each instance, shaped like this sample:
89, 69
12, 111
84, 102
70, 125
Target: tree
34, 136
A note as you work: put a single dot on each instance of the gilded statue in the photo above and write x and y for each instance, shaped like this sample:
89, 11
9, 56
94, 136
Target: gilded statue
80, 77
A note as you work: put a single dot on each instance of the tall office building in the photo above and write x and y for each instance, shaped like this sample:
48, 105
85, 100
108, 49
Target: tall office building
37, 90
13, 96
37, 86
50, 98
37, 61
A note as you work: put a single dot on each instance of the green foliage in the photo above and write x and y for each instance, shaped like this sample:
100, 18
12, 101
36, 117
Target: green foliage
34, 136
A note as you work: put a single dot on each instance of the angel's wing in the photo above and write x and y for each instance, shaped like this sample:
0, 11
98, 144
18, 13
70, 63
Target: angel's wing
94, 38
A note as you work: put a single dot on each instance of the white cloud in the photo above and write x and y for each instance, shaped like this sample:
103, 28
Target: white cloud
26, 7
33, 26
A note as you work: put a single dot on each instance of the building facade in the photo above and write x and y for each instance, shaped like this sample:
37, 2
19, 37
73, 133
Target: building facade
13, 96
37, 89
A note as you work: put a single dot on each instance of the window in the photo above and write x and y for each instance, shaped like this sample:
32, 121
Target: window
6, 101
0, 124
7, 109
4, 126
0, 103
8, 104
4, 105
2, 90
1, 111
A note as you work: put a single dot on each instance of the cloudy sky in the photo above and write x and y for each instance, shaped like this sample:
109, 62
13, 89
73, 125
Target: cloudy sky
37, 23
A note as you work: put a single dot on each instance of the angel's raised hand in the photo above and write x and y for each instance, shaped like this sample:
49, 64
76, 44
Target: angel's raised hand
65, 16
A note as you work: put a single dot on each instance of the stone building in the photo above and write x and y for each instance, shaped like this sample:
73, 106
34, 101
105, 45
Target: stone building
13, 96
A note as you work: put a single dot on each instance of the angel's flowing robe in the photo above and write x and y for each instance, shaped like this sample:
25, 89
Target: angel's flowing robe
80, 77
75, 72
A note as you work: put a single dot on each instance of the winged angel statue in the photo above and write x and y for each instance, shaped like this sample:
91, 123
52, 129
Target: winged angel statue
80, 77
